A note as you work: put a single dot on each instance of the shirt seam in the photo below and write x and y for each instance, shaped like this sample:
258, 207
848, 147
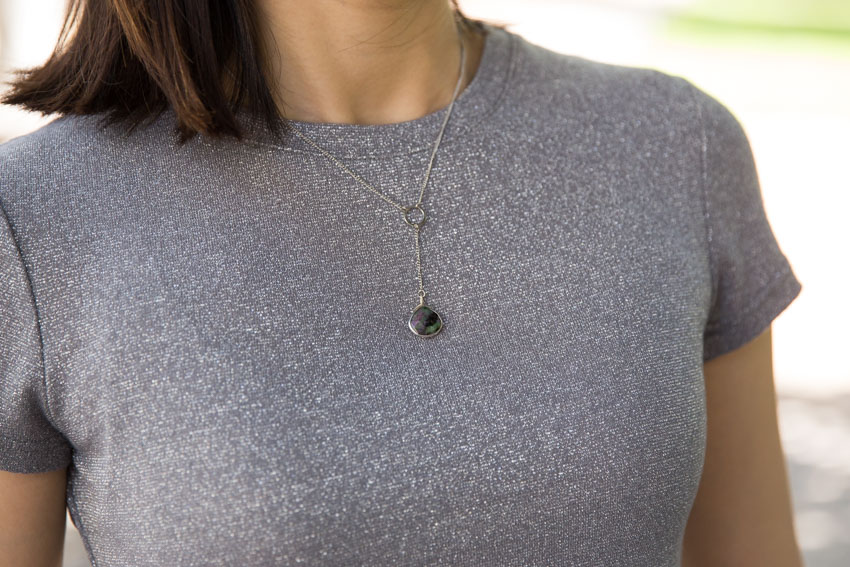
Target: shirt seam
38, 325
778, 278
706, 212
43, 442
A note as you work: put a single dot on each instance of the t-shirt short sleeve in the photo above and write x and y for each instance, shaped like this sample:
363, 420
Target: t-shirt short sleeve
29, 443
752, 279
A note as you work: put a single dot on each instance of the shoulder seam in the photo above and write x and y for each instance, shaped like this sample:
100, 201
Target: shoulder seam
35, 310
706, 212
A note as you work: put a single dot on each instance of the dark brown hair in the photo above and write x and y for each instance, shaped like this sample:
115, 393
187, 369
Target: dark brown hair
133, 59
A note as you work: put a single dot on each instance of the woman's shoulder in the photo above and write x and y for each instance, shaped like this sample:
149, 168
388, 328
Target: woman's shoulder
56, 140
565, 90
569, 82
540, 63
69, 150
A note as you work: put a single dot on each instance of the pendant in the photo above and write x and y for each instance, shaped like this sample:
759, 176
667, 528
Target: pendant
424, 321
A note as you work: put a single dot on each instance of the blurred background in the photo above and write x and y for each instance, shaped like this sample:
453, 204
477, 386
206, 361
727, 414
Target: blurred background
783, 68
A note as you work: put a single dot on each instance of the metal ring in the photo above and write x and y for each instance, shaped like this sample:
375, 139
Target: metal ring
410, 208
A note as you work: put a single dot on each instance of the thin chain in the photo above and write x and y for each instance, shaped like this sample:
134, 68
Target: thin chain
417, 205
433, 153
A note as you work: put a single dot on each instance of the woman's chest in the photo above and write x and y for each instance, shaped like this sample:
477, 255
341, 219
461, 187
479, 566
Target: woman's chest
250, 377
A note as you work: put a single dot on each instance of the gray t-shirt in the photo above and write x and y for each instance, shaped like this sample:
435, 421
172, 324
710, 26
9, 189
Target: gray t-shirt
214, 337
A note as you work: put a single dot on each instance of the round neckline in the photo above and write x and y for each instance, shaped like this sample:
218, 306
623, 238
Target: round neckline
352, 141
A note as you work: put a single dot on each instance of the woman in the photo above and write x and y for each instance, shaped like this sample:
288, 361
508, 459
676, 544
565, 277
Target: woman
370, 283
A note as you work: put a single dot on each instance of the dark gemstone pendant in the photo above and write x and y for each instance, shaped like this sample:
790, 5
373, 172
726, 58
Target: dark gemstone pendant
424, 321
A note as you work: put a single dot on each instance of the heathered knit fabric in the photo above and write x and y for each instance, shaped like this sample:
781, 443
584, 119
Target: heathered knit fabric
214, 337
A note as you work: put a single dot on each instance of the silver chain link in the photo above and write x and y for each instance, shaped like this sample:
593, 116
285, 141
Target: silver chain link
418, 205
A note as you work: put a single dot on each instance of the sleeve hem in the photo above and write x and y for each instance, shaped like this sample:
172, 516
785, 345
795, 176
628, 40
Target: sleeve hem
28, 456
753, 321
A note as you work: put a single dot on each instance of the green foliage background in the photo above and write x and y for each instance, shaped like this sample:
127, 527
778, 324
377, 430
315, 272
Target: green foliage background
813, 15
791, 25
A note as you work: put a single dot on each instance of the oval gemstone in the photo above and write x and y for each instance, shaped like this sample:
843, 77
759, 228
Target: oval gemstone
425, 322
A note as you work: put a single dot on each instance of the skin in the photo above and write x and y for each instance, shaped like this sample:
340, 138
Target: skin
385, 61
363, 61
742, 514
32, 518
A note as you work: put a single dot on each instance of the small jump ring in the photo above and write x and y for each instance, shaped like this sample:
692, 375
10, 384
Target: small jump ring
407, 212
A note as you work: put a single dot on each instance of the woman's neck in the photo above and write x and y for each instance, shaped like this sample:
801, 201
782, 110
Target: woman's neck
363, 61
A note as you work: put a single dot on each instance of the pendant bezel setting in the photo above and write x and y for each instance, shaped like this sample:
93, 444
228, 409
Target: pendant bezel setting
432, 320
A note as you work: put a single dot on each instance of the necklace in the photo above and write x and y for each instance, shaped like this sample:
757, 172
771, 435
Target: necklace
423, 321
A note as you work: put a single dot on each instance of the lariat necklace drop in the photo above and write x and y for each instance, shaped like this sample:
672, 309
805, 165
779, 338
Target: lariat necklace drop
423, 321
